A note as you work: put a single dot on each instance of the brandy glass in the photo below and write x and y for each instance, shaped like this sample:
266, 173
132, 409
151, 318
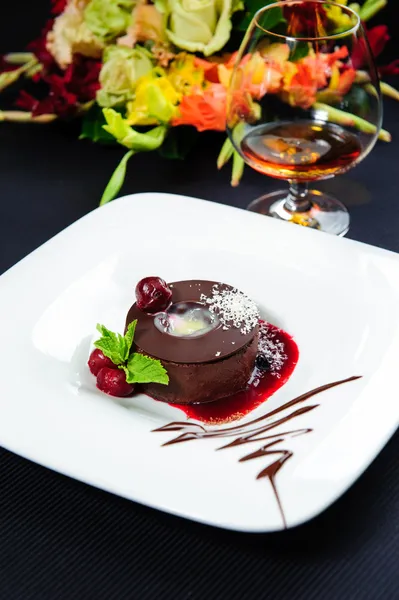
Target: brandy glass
299, 108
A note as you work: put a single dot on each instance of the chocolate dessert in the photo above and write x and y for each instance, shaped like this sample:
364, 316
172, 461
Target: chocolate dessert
207, 340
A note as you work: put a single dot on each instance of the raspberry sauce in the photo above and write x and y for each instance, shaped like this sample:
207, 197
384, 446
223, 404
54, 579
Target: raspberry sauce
282, 353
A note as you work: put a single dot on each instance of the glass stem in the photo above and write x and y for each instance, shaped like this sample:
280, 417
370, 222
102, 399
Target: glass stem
297, 200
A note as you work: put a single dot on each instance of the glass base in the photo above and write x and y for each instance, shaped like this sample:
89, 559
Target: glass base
325, 212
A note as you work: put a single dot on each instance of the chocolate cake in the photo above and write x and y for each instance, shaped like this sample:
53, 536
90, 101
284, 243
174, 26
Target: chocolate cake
212, 358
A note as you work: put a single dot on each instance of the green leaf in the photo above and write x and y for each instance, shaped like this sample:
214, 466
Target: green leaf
143, 369
300, 51
113, 345
129, 137
178, 143
92, 127
116, 181
129, 335
357, 101
269, 19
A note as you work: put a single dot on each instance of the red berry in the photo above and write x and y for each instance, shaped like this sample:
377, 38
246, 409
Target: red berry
113, 382
152, 294
98, 360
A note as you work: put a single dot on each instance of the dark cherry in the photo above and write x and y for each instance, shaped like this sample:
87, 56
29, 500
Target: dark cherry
98, 360
262, 363
152, 294
113, 382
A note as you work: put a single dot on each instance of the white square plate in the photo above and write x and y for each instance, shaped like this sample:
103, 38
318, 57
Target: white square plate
338, 298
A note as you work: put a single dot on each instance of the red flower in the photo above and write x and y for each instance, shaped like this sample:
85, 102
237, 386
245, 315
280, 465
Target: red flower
81, 77
67, 89
391, 69
58, 6
38, 47
378, 37
210, 69
303, 20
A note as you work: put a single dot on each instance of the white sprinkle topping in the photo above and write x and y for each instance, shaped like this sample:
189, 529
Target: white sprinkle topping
217, 353
272, 348
233, 308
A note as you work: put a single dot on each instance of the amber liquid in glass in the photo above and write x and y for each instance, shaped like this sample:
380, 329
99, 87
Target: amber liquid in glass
300, 150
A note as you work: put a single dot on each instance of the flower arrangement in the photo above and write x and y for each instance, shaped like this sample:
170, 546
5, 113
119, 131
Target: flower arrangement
150, 75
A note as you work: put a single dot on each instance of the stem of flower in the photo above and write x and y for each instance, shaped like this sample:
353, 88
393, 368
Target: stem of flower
388, 90
9, 77
19, 116
355, 6
117, 178
83, 108
371, 8
362, 77
342, 118
19, 58
370, 89
238, 169
225, 153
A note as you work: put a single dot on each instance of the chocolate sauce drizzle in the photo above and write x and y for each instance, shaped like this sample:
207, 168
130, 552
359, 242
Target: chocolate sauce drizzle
254, 431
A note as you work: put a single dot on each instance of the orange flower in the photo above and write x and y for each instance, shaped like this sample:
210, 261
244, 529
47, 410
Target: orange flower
321, 64
332, 57
258, 75
300, 87
316, 68
303, 79
210, 67
204, 111
346, 80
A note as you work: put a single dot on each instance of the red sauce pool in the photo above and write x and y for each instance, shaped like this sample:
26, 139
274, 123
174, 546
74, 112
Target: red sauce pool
261, 387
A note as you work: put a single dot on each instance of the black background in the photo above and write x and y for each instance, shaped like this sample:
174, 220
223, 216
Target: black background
62, 539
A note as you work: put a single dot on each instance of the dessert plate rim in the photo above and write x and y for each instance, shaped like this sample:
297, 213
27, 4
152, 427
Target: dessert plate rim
39, 428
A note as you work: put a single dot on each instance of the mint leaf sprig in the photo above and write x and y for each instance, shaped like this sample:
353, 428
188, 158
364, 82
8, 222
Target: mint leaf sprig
138, 368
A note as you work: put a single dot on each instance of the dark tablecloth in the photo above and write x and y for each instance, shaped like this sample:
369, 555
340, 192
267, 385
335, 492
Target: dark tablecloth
63, 539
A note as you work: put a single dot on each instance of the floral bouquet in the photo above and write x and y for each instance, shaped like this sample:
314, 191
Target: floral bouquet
149, 76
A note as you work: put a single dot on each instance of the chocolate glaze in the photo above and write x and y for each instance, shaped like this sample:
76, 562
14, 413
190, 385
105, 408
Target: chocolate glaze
253, 431
261, 385
214, 345
205, 382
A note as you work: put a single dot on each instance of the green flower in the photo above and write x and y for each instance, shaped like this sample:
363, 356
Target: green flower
134, 140
108, 19
129, 137
198, 25
121, 69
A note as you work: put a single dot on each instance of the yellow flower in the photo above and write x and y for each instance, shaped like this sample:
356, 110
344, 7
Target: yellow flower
155, 101
276, 52
185, 75
341, 20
